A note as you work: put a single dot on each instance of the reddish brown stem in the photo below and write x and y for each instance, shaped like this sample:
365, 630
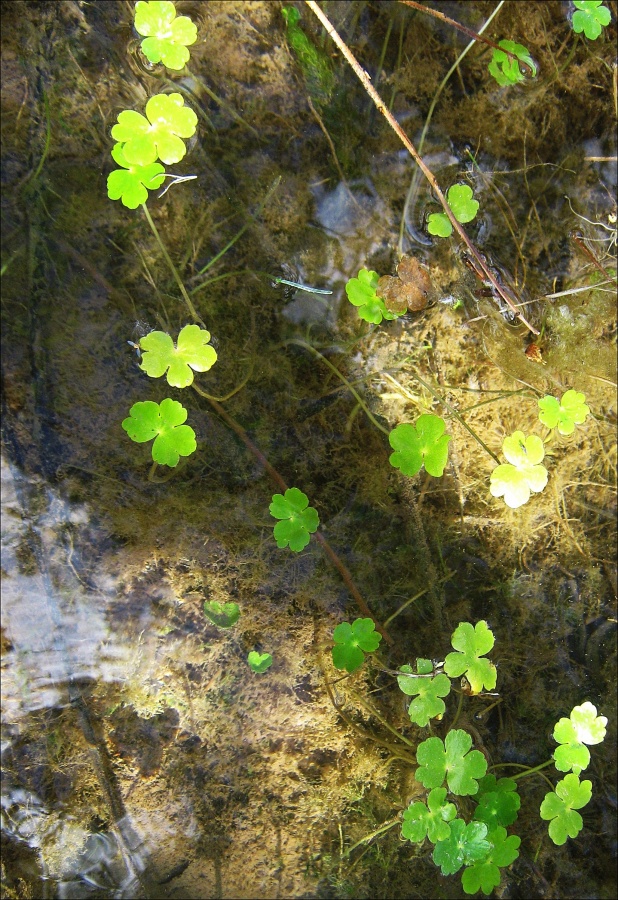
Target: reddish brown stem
276, 477
364, 79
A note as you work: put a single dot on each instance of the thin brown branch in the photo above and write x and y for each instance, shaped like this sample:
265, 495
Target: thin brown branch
365, 81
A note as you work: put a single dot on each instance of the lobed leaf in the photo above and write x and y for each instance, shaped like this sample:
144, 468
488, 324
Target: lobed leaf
299, 520
522, 474
166, 35
352, 642
560, 807
132, 183
191, 353
564, 414
472, 642
361, 293
453, 760
164, 423
507, 70
224, 615
422, 444
259, 662
590, 17
159, 133
428, 704
430, 820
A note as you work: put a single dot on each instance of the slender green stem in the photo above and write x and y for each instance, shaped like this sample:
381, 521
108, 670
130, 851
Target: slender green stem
538, 768
457, 712
415, 597
342, 378
383, 721
172, 267
369, 837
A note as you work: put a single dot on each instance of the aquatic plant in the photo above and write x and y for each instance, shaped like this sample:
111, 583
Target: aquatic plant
298, 519
507, 70
163, 422
564, 414
259, 662
523, 473
464, 207
352, 642
453, 760
471, 643
430, 689
421, 444
132, 182
361, 293
590, 17
315, 64
224, 615
166, 35
157, 135
191, 353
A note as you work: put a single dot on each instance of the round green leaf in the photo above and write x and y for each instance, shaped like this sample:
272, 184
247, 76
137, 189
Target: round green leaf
192, 353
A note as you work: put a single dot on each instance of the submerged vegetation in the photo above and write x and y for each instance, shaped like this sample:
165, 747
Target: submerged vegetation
274, 347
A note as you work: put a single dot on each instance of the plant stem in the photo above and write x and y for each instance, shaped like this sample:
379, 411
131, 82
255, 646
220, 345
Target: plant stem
365, 81
276, 477
369, 837
172, 267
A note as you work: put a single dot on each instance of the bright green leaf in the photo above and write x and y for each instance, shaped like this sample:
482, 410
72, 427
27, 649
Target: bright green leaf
439, 225
259, 662
460, 199
523, 473
559, 807
361, 292
352, 642
192, 352
159, 133
428, 704
581, 728
465, 844
566, 413
431, 820
453, 760
167, 35
422, 444
484, 875
132, 183
507, 70
163, 422
299, 520
472, 642
590, 17
498, 801
224, 615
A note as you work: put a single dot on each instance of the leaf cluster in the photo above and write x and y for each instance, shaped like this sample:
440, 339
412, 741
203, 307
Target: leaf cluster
361, 293
166, 35
463, 206
298, 520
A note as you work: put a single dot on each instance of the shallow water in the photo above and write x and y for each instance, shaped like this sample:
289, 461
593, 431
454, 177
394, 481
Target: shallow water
141, 756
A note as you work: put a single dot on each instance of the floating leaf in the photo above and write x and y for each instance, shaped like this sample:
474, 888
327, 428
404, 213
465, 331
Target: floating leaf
484, 875
259, 662
132, 183
428, 704
352, 642
431, 820
453, 760
465, 844
224, 615
564, 414
361, 292
159, 133
422, 444
167, 35
192, 352
559, 807
507, 70
299, 519
472, 642
460, 199
590, 17
523, 473
498, 801
163, 422
583, 727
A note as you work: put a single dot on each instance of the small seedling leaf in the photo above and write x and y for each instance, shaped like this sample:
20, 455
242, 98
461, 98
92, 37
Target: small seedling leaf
564, 414
484, 875
352, 642
590, 17
167, 35
472, 642
422, 444
361, 292
431, 820
498, 801
507, 70
132, 183
224, 615
192, 353
299, 520
159, 133
466, 844
453, 760
439, 225
164, 423
428, 704
559, 807
460, 199
259, 662
522, 474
